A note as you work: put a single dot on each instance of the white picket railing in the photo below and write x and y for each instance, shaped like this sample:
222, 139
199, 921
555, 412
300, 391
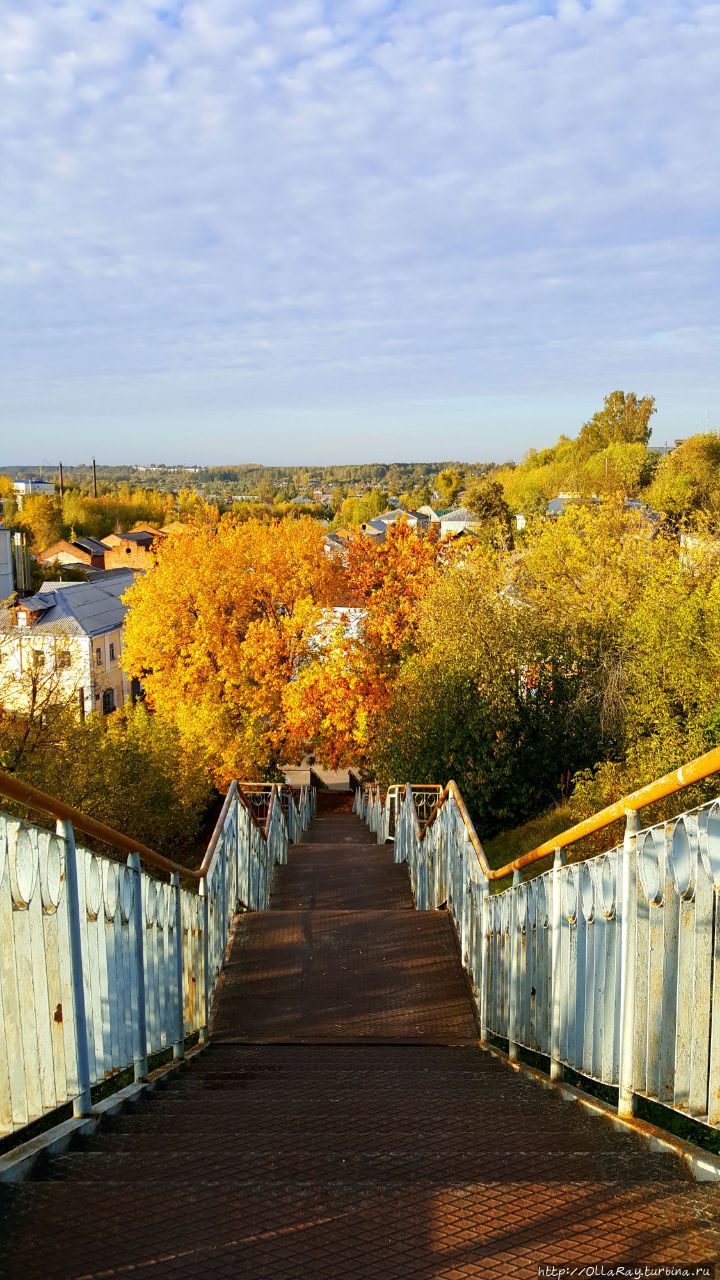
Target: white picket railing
104, 963
609, 966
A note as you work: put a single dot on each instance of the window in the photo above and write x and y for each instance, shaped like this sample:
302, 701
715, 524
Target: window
108, 701
38, 658
64, 660
112, 652
98, 658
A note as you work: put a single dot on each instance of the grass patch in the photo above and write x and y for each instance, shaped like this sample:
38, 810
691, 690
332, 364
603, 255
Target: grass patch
512, 843
516, 841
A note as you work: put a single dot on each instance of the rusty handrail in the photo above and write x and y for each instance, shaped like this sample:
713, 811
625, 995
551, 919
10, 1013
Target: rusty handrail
703, 766
23, 793
33, 798
232, 790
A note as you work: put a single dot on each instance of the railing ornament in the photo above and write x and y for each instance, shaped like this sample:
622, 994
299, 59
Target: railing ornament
23, 858
162, 897
150, 895
709, 842
125, 891
538, 905
111, 889
93, 888
683, 857
604, 871
651, 864
570, 895
521, 907
50, 859
586, 891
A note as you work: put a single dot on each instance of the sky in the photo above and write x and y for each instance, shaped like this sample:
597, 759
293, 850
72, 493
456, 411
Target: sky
345, 230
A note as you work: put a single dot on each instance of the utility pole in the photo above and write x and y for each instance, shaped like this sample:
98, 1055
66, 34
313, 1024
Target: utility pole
62, 483
94, 480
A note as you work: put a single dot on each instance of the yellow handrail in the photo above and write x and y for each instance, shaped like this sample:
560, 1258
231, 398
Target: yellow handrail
695, 771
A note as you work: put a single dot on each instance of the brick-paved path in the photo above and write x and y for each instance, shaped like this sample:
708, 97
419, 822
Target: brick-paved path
345, 1125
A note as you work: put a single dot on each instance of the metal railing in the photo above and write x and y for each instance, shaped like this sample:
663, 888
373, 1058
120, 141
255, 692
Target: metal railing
104, 963
381, 813
609, 966
298, 804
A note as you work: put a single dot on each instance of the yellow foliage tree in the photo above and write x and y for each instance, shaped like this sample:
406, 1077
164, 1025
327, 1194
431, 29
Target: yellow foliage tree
217, 629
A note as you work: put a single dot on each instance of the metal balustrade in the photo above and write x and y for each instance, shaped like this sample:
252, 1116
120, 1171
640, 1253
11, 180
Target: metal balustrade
104, 963
609, 966
298, 804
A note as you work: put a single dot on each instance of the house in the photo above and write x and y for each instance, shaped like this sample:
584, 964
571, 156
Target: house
72, 632
26, 488
79, 553
131, 550
559, 505
336, 546
376, 529
458, 520
434, 516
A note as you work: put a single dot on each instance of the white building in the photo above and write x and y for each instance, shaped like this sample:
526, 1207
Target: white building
70, 633
25, 488
458, 520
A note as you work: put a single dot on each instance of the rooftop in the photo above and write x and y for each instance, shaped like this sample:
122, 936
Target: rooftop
76, 608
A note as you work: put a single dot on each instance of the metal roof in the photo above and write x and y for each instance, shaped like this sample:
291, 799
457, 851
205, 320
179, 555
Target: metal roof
77, 608
93, 545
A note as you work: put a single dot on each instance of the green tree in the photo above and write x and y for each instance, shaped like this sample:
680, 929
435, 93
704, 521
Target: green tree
623, 419
486, 499
449, 483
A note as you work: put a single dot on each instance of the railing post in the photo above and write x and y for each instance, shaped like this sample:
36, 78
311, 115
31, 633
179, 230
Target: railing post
82, 1102
238, 855
205, 958
484, 974
223, 898
628, 909
513, 976
140, 1054
179, 1042
556, 1068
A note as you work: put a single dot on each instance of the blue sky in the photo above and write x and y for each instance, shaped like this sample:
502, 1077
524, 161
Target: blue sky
336, 230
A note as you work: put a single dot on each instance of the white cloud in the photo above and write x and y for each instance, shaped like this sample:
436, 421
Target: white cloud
352, 202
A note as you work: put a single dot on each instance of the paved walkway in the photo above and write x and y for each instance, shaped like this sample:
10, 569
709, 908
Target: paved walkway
344, 1124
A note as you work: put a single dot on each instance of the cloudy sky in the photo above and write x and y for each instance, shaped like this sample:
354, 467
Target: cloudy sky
335, 230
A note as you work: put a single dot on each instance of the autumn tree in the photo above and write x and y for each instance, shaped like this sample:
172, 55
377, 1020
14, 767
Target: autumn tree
41, 517
485, 497
687, 480
217, 629
449, 483
624, 468
345, 682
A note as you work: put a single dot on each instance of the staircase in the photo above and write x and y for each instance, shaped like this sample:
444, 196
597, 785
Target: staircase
344, 1122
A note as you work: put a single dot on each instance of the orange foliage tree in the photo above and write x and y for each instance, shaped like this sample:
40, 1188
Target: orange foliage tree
219, 627
346, 677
